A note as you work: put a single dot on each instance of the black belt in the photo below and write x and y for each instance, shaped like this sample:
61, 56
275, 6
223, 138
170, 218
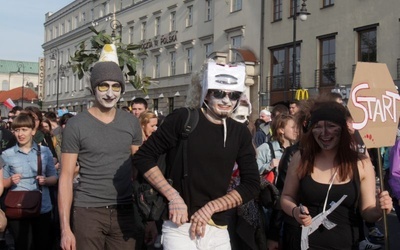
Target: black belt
120, 206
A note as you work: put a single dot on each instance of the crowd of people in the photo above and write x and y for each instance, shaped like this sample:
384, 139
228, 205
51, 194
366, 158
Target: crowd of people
298, 177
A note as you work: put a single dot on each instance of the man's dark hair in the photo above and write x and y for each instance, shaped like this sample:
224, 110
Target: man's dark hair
16, 108
140, 100
64, 118
51, 115
294, 102
279, 109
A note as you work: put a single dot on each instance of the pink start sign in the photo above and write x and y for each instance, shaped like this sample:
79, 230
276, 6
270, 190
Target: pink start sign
374, 104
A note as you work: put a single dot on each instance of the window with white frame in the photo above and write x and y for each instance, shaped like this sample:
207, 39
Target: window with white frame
69, 25
277, 10
143, 71
83, 18
189, 16
328, 3
172, 63
157, 26
73, 84
81, 84
61, 57
48, 87
91, 14
54, 87
66, 88
209, 10
131, 34
143, 31
62, 31
75, 24
236, 5
157, 66
236, 42
172, 21
208, 49
189, 60
56, 32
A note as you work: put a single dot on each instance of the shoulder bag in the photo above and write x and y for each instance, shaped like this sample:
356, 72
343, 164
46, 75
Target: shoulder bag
25, 204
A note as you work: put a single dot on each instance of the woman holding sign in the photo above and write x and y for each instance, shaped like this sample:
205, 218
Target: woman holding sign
329, 185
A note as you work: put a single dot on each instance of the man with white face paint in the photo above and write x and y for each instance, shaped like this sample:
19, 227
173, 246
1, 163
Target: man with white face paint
197, 217
102, 139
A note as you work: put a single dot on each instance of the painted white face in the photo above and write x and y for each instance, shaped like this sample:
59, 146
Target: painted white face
108, 93
222, 103
327, 134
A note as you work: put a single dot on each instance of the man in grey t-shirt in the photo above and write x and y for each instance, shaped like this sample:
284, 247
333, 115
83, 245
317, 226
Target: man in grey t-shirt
102, 139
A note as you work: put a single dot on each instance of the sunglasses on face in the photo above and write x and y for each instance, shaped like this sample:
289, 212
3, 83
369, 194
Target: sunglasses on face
103, 87
219, 94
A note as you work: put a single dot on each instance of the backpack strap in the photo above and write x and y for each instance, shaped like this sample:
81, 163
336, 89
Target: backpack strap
190, 125
272, 150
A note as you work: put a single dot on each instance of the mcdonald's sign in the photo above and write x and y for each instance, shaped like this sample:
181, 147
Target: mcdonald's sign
301, 94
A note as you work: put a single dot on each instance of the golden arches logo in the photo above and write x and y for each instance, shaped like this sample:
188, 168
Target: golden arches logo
301, 94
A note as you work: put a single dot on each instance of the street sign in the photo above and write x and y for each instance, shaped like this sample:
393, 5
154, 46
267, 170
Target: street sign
374, 104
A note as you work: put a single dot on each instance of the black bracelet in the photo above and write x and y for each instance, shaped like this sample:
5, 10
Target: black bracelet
293, 211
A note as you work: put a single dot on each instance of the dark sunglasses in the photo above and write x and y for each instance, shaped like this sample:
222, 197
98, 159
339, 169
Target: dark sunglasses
220, 94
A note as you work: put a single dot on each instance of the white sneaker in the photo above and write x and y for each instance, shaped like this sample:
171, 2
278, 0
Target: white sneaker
366, 245
158, 244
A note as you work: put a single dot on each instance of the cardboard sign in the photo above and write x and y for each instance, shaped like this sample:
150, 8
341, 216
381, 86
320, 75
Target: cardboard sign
374, 104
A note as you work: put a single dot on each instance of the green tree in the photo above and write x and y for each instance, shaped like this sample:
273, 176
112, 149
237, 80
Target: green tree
84, 58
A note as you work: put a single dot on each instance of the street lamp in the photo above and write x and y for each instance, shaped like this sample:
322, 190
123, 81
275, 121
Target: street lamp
115, 24
21, 65
303, 16
61, 69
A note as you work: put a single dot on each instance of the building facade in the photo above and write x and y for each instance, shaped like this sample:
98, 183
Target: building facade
335, 36
176, 36
24, 76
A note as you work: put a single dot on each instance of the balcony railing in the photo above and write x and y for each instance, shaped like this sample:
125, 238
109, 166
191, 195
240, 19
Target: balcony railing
283, 82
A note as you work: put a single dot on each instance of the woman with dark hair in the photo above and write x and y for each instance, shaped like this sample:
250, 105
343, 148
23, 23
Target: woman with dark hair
41, 137
20, 173
327, 170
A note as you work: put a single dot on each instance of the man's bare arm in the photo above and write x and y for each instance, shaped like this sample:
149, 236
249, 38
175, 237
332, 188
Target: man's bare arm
65, 196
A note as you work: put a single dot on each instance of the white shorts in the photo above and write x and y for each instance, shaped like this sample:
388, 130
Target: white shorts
178, 238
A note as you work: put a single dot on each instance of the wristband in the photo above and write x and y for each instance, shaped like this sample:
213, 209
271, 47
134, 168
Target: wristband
293, 211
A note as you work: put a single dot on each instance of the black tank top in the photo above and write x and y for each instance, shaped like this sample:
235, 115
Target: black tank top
345, 234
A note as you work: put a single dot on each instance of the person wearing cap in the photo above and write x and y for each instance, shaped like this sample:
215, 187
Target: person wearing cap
197, 216
263, 133
102, 140
328, 170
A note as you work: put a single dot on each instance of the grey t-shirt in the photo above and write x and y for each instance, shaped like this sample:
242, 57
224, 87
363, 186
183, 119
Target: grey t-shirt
104, 156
